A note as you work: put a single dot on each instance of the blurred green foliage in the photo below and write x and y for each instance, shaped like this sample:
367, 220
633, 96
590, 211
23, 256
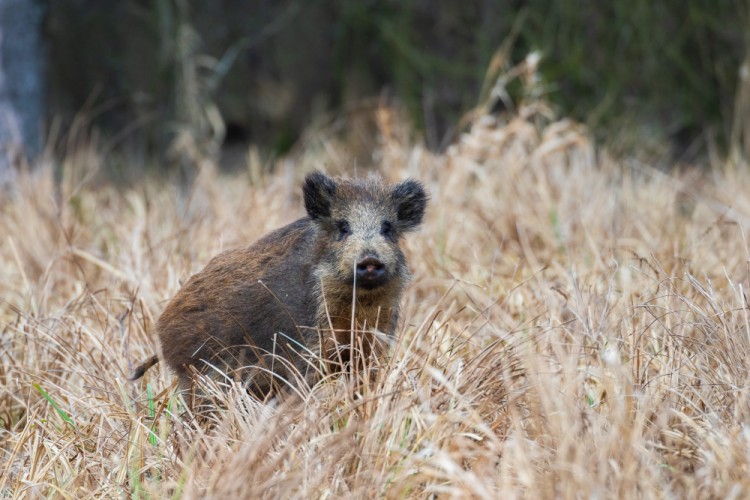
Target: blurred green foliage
666, 70
669, 66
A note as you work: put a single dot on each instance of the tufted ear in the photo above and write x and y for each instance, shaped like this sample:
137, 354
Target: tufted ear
410, 199
319, 191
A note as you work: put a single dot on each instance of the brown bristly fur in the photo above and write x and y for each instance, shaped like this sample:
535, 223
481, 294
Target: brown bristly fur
271, 311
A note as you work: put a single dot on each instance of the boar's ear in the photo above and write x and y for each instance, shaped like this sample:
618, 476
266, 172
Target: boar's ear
318, 190
410, 199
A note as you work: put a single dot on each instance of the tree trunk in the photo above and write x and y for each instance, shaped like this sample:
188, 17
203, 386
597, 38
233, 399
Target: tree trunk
21, 86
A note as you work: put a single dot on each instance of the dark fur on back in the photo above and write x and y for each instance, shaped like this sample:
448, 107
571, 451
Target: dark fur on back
286, 300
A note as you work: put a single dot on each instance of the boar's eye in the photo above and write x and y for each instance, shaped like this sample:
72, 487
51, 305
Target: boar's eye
344, 229
386, 229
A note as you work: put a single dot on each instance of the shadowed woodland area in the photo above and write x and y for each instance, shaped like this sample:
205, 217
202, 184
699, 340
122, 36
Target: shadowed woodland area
660, 76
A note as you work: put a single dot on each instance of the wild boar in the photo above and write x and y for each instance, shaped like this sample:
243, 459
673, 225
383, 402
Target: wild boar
315, 290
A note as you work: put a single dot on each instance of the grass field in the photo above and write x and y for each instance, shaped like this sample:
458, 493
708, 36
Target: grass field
577, 327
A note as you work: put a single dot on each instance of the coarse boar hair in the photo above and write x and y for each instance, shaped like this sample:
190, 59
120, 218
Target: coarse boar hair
312, 290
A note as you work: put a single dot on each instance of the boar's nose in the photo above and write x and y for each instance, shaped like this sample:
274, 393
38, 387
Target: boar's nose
370, 269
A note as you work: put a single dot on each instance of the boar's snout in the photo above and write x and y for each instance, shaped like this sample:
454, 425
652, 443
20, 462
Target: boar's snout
370, 272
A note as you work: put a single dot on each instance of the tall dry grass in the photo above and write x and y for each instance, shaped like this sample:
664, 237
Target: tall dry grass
577, 327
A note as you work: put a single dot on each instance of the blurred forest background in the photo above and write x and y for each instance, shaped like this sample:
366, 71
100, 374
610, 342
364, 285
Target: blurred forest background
156, 78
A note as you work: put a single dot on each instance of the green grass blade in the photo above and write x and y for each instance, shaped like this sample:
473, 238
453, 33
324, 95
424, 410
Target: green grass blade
63, 414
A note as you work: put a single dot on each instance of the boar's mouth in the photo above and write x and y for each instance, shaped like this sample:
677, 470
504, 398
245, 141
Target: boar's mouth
371, 283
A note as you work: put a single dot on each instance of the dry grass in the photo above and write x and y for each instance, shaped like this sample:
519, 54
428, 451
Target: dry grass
576, 328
